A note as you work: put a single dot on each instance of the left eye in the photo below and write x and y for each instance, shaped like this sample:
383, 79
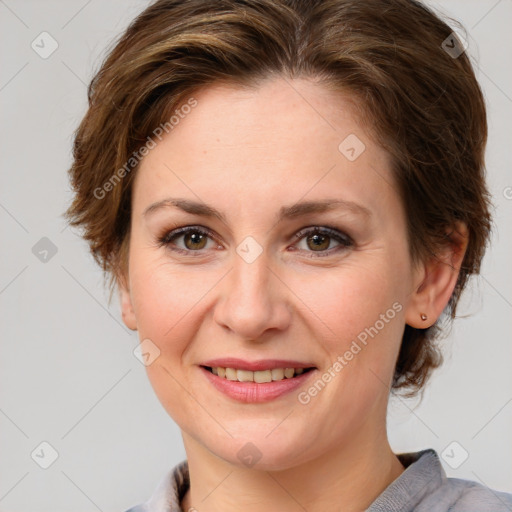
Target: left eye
317, 239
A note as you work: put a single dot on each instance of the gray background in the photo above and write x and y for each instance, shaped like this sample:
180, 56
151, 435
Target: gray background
68, 375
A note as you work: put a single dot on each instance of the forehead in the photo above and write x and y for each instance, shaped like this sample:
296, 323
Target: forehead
281, 140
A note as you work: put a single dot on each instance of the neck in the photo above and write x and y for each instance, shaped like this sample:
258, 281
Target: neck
348, 477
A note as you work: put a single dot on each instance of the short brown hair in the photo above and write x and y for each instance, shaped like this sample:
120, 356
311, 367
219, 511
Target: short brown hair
423, 103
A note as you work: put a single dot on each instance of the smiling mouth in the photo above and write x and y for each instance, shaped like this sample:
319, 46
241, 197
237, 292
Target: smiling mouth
260, 377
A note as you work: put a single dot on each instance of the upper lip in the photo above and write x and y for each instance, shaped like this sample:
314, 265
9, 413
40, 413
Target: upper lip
254, 366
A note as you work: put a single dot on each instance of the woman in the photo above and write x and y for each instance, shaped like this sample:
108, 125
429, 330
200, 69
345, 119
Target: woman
288, 194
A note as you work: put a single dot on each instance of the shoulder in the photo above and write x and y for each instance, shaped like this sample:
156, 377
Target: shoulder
469, 496
433, 490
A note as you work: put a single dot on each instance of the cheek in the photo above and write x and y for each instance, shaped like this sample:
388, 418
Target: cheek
359, 312
166, 303
163, 298
352, 298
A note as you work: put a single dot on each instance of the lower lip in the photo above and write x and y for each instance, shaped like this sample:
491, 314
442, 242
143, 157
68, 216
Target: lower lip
253, 392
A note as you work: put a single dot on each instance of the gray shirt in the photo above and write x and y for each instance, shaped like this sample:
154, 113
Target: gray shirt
422, 487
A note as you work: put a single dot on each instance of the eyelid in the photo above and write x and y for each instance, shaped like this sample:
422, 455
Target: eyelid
324, 229
185, 229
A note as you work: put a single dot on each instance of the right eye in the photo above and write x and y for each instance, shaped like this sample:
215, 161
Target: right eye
194, 238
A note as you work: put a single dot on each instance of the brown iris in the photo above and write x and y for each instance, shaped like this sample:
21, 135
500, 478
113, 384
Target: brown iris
317, 241
197, 240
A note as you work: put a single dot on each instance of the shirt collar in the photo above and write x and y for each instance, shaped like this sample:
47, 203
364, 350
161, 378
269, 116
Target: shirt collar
423, 474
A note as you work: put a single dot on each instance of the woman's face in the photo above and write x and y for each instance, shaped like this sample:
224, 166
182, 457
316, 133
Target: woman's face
257, 285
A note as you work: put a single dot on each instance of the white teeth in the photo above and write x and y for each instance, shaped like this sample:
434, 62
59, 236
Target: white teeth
231, 374
245, 376
277, 373
260, 376
289, 372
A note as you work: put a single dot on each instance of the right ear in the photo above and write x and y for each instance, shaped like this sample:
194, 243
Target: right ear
125, 299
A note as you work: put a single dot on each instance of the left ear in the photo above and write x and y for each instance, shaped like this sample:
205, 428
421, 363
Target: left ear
435, 280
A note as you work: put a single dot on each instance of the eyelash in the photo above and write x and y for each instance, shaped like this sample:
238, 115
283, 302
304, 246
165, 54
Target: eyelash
345, 241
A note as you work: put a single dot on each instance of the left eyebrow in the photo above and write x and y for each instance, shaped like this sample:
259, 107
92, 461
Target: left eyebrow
286, 212
308, 207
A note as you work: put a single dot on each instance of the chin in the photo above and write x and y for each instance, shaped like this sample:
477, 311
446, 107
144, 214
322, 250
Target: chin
261, 456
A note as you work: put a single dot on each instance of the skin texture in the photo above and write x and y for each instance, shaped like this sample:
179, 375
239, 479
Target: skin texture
247, 153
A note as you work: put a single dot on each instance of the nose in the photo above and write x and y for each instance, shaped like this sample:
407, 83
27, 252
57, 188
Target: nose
255, 300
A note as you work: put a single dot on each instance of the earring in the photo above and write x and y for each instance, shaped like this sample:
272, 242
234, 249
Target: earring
423, 316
